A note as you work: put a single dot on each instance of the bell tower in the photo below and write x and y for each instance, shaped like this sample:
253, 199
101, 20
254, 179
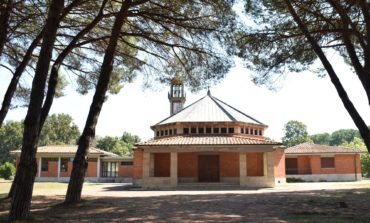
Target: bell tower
176, 96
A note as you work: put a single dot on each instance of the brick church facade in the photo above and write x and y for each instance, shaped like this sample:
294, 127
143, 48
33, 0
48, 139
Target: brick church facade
207, 141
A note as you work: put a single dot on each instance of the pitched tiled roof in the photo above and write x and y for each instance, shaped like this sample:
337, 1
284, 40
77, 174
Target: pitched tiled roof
209, 109
67, 149
207, 140
307, 148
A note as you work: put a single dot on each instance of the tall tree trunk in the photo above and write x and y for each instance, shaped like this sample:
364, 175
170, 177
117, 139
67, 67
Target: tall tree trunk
5, 10
12, 87
26, 171
356, 117
80, 162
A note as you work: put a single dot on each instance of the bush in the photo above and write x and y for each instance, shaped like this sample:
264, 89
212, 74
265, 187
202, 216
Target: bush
7, 170
294, 180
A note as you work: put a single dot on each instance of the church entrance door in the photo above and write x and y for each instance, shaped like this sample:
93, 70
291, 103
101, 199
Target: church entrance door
208, 168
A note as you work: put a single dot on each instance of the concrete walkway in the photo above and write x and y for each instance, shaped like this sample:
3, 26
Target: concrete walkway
124, 190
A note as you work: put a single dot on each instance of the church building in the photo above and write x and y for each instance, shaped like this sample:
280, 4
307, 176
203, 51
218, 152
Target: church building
208, 141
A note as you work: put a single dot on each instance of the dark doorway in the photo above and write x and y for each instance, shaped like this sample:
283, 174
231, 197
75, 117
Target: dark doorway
291, 166
208, 168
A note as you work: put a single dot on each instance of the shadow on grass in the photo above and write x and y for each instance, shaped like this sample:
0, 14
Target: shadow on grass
301, 207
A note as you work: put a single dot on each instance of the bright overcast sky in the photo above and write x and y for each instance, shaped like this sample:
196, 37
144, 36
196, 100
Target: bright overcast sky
303, 96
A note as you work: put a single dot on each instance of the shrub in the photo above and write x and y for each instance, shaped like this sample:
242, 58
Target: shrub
294, 180
7, 170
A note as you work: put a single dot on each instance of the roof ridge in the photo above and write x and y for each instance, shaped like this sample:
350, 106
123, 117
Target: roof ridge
238, 110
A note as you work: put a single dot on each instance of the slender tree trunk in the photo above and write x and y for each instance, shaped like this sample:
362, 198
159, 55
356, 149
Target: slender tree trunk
21, 199
80, 162
357, 119
5, 10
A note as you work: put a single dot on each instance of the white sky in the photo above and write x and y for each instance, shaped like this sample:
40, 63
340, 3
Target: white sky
303, 96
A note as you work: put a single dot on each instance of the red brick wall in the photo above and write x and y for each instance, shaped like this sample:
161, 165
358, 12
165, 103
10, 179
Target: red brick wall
137, 171
52, 170
69, 170
92, 169
344, 164
125, 171
162, 164
229, 164
279, 163
187, 165
304, 165
254, 164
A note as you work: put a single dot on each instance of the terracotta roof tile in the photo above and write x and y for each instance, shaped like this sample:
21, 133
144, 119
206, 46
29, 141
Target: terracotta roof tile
207, 140
307, 148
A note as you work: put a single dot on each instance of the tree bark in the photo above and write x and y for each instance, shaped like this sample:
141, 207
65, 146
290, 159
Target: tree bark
80, 161
5, 10
21, 199
357, 119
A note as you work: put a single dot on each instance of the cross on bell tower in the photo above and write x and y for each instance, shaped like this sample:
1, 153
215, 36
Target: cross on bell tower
176, 96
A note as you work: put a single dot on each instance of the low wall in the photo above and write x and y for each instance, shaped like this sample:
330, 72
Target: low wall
327, 177
263, 181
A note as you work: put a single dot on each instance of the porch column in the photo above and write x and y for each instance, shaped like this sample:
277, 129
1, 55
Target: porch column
242, 168
146, 165
58, 167
269, 168
39, 167
98, 168
173, 170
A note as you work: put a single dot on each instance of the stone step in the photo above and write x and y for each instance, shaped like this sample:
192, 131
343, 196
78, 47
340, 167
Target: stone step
208, 186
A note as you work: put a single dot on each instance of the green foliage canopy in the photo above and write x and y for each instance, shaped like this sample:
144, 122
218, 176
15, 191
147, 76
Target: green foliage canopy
295, 132
7, 170
120, 146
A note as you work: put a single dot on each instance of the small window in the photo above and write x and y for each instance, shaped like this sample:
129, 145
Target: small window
247, 131
44, 165
162, 132
127, 163
242, 130
260, 132
175, 131
223, 130
157, 133
327, 162
170, 131
64, 164
216, 130
166, 132
255, 132
231, 130
208, 130
201, 130
193, 130
186, 131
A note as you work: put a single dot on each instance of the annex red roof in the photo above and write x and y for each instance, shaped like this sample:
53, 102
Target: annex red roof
307, 148
207, 140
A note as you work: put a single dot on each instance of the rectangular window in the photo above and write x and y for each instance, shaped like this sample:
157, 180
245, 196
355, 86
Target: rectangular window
255, 132
201, 130
327, 162
127, 163
64, 164
166, 132
175, 131
186, 131
223, 130
231, 130
193, 130
216, 130
157, 133
208, 130
260, 132
242, 130
110, 169
247, 131
162, 132
170, 131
